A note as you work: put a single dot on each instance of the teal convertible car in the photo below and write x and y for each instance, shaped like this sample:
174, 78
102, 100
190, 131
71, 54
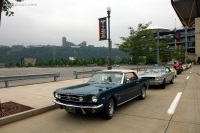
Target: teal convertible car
102, 93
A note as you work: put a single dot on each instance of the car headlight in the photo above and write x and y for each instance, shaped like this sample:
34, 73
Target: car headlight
94, 99
80, 99
57, 96
157, 78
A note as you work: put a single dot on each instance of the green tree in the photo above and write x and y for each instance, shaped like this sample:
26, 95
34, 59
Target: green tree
113, 61
124, 60
79, 62
101, 61
151, 58
52, 63
178, 52
138, 42
142, 59
60, 63
29, 65
165, 53
17, 64
5, 6
70, 63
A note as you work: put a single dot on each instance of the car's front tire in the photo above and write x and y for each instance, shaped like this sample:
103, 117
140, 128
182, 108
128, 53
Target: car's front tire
143, 93
172, 80
163, 84
108, 111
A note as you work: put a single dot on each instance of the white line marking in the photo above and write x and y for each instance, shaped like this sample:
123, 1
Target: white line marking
188, 77
174, 104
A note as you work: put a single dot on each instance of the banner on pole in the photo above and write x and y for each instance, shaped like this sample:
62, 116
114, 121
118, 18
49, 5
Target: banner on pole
102, 29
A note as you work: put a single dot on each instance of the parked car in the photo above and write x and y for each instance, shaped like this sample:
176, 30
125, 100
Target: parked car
177, 65
171, 67
185, 67
102, 93
189, 65
159, 75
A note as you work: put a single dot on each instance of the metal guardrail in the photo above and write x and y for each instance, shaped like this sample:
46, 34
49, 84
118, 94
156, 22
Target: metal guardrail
85, 72
141, 67
137, 68
25, 77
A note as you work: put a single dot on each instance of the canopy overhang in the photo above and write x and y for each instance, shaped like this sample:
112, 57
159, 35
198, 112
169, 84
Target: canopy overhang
187, 11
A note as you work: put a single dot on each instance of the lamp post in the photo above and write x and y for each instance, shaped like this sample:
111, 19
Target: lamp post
109, 40
158, 43
186, 33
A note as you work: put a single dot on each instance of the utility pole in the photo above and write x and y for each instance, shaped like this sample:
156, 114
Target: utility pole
186, 43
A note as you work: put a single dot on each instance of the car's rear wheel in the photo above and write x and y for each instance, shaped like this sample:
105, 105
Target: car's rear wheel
163, 84
143, 93
108, 111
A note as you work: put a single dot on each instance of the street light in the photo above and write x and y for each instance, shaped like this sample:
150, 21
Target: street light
186, 42
158, 48
109, 40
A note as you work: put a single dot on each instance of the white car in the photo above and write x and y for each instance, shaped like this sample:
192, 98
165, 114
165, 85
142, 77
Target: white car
159, 75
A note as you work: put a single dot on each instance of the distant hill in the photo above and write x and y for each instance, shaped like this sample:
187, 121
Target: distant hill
15, 53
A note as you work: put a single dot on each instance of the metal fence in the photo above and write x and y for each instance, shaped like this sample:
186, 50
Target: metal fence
25, 77
84, 72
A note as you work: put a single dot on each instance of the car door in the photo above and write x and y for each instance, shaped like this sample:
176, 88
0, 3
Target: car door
131, 86
168, 74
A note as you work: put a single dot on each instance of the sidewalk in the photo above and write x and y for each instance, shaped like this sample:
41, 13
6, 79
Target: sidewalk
37, 96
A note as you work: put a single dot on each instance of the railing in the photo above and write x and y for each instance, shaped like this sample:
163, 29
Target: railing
141, 67
25, 77
92, 72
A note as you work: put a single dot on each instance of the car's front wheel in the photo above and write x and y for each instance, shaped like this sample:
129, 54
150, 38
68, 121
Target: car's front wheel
143, 93
108, 111
172, 80
163, 84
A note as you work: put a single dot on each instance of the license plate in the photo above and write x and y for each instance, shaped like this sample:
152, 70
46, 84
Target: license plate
71, 109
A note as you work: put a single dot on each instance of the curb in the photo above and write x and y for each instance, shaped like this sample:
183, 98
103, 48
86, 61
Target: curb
26, 114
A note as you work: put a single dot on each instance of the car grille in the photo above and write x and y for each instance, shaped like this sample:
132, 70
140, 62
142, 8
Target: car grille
71, 98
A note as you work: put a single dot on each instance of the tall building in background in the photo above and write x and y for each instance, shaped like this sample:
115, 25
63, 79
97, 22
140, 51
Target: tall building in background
83, 44
64, 41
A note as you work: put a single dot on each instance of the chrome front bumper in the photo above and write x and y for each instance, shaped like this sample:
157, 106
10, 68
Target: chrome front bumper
155, 82
78, 106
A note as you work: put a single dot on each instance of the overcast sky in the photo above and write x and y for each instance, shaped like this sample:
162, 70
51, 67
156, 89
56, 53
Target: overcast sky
43, 22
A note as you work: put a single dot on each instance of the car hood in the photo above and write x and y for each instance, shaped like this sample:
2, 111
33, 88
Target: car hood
151, 74
87, 88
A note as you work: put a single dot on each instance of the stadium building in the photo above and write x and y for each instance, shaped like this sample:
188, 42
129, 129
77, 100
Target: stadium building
188, 37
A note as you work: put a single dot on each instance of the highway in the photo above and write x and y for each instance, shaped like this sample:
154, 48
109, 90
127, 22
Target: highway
175, 109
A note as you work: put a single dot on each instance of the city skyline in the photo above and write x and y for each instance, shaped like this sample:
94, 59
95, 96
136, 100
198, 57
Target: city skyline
37, 23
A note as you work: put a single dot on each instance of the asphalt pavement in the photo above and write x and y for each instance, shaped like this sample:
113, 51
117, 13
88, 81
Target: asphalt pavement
37, 96
185, 119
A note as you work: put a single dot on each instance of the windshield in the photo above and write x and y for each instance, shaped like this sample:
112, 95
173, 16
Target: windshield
170, 63
155, 70
107, 77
